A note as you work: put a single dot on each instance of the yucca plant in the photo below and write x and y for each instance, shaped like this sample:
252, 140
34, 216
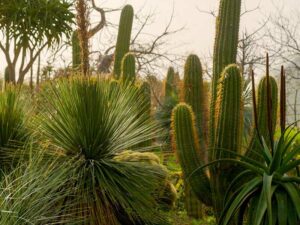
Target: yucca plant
13, 131
91, 123
34, 192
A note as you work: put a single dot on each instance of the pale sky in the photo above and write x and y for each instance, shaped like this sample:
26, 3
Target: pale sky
198, 35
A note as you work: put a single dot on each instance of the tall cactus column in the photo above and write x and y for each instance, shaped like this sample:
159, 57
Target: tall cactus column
262, 111
123, 40
193, 93
225, 49
189, 152
229, 120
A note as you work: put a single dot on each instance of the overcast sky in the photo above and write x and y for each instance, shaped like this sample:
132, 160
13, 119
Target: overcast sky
198, 35
199, 28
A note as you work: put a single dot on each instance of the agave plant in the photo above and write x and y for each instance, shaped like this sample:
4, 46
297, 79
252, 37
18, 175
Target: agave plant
91, 122
270, 189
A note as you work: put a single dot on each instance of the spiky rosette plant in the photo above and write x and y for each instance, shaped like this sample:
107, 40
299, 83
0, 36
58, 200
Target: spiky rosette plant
13, 130
34, 191
271, 191
123, 40
89, 123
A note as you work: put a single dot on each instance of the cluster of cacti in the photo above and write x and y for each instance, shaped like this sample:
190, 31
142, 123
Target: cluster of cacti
76, 59
128, 69
123, 40
189, 120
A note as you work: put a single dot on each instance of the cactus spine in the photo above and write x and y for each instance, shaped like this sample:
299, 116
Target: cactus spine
128, 69
262, 115
189, 152
225, 49
123, 40
193, 93
76, 60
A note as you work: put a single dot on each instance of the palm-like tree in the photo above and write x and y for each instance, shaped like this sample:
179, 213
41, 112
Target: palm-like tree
90, 122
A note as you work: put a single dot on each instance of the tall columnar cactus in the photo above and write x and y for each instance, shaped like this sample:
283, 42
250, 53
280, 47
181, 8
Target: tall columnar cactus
76, 60
128, 68
225, 49
194, 95
189, 152
229, 121
145, 94
194, 207
262, 111
170, 84
229, 112
123, 40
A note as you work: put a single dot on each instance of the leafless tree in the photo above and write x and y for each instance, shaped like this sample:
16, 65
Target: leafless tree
283, 42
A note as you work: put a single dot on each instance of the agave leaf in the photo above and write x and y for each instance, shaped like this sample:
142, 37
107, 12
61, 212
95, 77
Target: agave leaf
267, 187
281, 198
230, 209
293, 192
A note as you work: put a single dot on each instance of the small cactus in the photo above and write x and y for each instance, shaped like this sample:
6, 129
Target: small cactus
76, 59
170, 84
128, 69
145, 94
123, 40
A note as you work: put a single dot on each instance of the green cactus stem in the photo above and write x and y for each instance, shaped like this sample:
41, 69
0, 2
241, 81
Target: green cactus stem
194, 95
262, 117
76, 59
145, 94
170, 84
229, 111
128, 69
225, 49
123, 40
189, 152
